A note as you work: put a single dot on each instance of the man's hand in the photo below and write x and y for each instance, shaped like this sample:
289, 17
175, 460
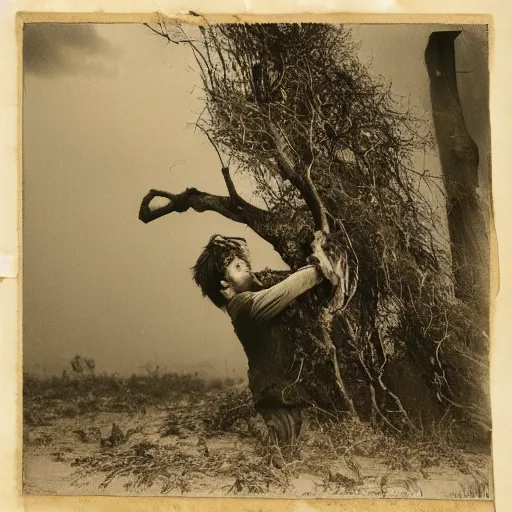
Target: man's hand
327, 258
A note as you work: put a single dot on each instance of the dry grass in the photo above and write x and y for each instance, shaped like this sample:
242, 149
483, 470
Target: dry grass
188, 455
47, 399
211, 441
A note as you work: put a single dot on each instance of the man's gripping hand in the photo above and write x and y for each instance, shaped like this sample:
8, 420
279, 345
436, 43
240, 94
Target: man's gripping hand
327, 258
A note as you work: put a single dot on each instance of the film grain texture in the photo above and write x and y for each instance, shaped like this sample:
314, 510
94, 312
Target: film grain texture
256, 260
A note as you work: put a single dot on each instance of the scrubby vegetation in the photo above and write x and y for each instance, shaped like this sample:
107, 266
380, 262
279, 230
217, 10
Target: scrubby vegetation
180, 434
81, 391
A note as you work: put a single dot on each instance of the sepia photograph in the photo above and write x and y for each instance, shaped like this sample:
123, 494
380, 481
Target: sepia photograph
256, 259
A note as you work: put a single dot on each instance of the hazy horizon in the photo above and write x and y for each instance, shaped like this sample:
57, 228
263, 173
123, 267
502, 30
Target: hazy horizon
108, 114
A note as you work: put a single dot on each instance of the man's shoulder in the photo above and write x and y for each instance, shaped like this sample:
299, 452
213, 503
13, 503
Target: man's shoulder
242, 302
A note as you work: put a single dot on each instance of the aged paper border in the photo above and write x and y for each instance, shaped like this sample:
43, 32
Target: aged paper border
8, 288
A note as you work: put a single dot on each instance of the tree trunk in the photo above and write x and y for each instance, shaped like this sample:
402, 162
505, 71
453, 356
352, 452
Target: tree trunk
468, 235
459, 162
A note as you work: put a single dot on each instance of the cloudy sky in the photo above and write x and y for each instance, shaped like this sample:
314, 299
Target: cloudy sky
108, 114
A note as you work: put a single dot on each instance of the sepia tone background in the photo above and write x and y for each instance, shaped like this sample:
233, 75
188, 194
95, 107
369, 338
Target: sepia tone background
108, 113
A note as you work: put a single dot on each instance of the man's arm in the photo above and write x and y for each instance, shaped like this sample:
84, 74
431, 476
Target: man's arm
270, 302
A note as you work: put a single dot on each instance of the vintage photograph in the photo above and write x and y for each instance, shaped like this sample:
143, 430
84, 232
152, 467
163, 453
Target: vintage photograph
256, 259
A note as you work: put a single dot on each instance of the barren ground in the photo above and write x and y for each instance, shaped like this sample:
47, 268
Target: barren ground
63, 455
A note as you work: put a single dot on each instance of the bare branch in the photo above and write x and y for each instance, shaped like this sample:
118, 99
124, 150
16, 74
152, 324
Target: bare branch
231, 186
286, 164
305, 186
190, 198
162, 32
212, 143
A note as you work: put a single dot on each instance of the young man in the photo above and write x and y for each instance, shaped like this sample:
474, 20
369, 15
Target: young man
224, 274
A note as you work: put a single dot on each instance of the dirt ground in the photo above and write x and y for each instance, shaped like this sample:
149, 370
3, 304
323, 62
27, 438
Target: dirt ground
223, 463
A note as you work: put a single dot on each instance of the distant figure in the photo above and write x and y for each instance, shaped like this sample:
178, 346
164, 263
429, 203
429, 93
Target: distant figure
224, 274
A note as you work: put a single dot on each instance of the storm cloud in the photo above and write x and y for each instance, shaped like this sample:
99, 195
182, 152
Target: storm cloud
61, 48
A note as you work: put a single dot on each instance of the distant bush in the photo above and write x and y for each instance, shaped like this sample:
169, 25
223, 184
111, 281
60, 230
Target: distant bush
82, 391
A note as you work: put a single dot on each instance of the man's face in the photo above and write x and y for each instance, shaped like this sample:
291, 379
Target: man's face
240, 276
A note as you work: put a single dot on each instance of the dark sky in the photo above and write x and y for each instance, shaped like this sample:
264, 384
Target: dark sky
107, 115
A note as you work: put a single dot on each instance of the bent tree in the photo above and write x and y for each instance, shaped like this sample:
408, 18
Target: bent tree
330, 148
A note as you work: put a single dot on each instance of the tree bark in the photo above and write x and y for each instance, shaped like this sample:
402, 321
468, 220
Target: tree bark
459, 161
190, 198
469, 238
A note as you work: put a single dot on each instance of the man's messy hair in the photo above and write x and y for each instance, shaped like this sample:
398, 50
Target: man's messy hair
210, 268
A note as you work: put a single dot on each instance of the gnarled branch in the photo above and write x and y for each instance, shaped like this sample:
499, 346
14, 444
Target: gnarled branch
262, 222
190, 198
